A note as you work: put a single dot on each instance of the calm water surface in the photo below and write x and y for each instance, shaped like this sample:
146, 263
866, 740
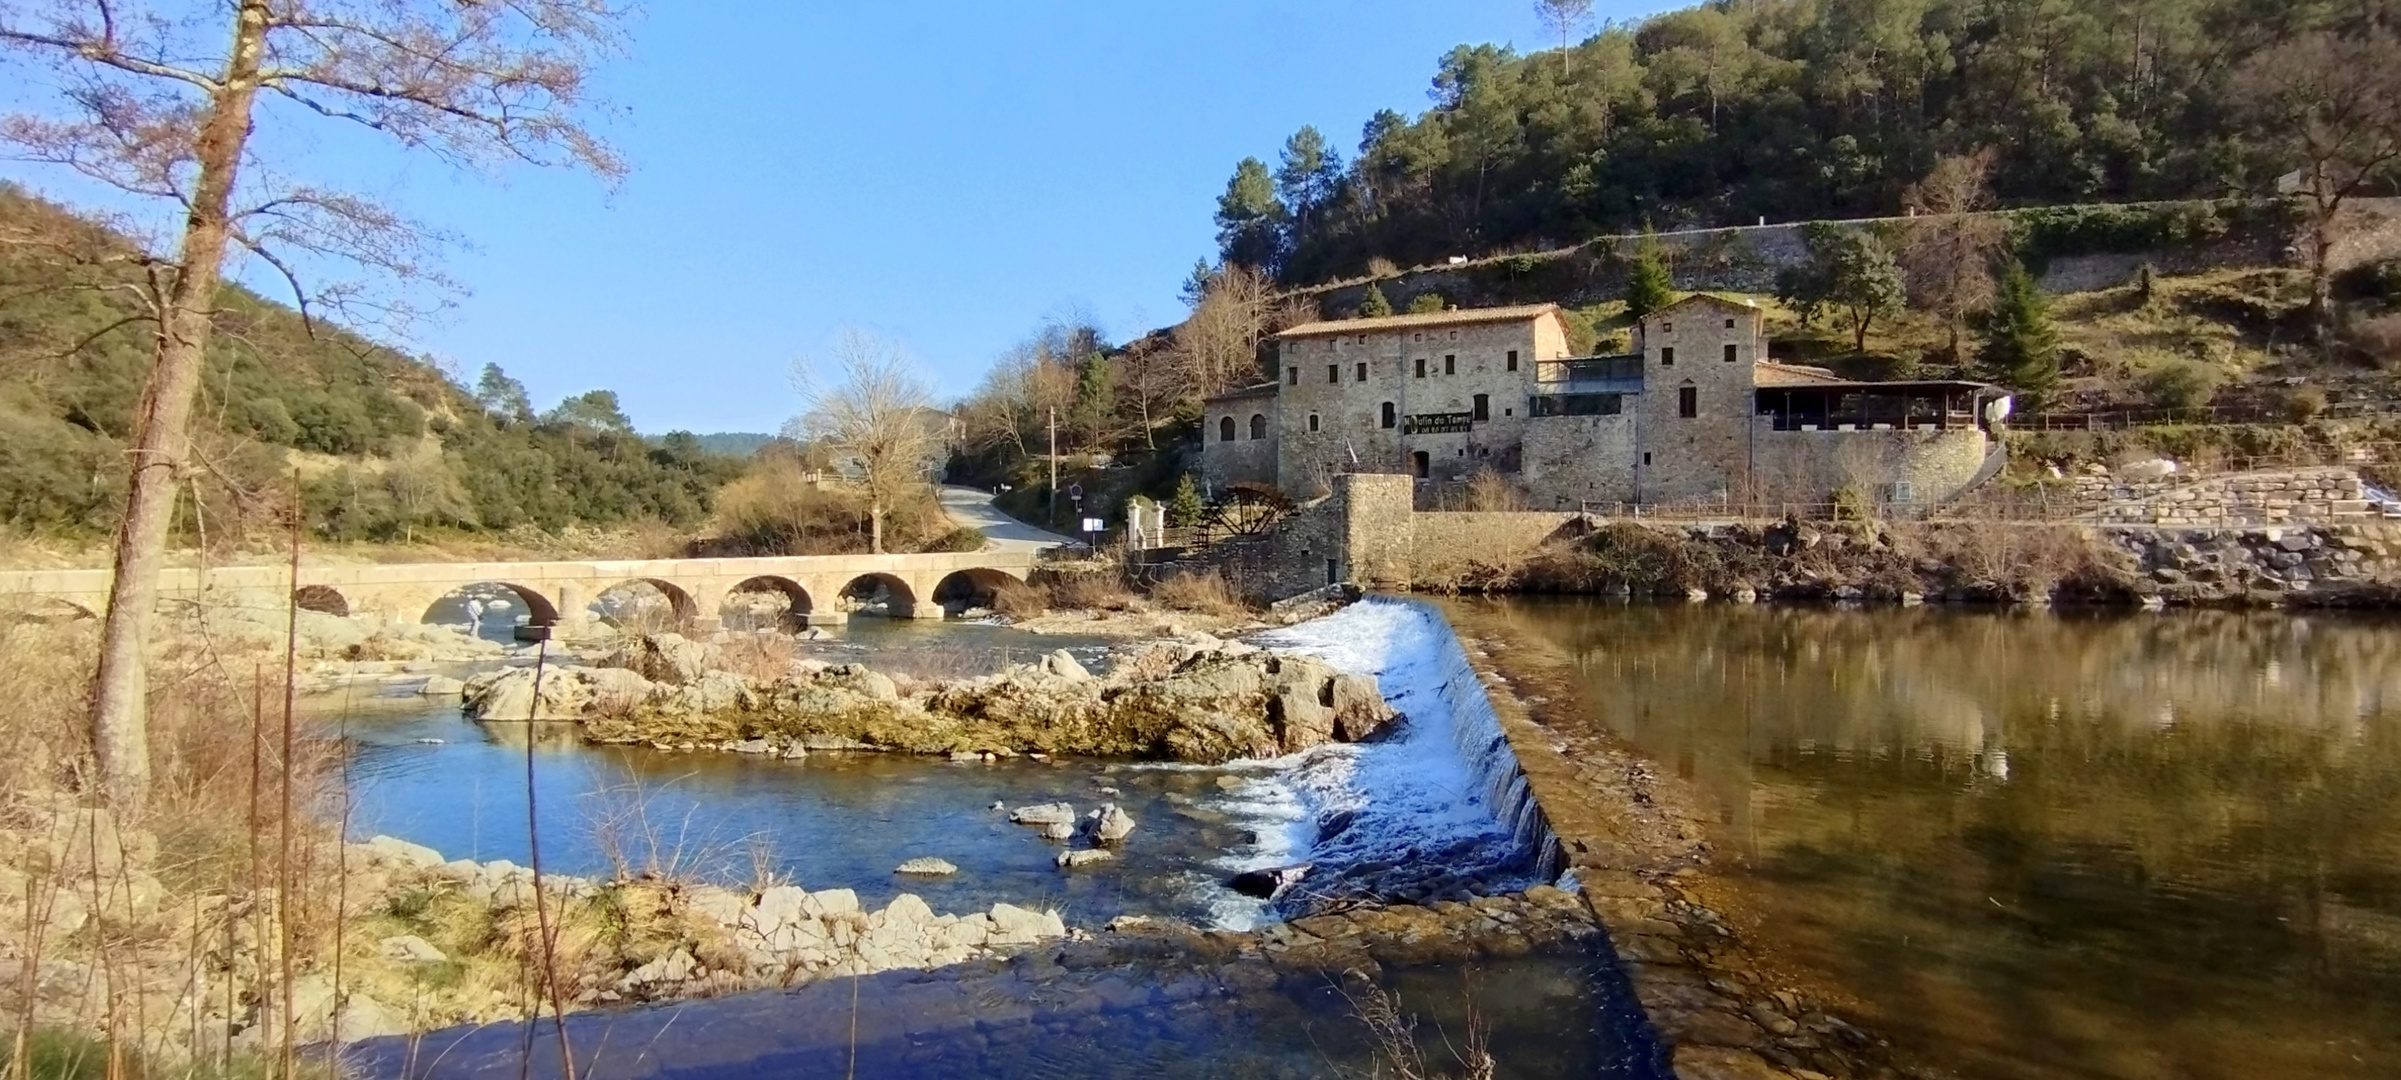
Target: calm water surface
2039, 846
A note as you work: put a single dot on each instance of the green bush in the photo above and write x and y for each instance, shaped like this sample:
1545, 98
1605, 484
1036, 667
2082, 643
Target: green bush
2182, 384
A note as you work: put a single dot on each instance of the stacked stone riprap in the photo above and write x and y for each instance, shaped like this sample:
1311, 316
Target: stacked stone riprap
2316, 564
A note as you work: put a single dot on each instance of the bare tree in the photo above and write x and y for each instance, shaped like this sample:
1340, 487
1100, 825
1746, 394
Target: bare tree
160, 100
875, 413
1948, 254
1217, 347
2332, 105
1563, 16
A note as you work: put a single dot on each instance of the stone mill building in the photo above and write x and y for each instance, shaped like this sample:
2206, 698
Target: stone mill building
1694, 413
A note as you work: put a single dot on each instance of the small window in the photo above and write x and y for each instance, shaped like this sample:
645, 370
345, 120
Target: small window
1312, 421
1292, 376
1667, 328
1454, 335
1729, 324
1225, 429
1417, 337
1362, 339
1646, 457
1391, 415
1421, 367
1733, 352
1450, 365
1667, 358
1513, 359
1362, 372
1509, 412
1483, 407
1258, 426
1688, 402
1334, 373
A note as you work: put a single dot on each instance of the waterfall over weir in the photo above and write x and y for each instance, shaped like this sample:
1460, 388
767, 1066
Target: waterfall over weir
1432, 811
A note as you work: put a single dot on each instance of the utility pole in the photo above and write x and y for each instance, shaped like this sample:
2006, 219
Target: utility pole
1050, 501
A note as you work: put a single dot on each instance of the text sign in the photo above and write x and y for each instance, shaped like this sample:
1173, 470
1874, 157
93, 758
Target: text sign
1441, 423
1094, 524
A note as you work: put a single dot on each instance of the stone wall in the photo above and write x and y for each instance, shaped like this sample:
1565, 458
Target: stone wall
1443, 545
2253, 498
1809, 465
2307, 564
1239, 459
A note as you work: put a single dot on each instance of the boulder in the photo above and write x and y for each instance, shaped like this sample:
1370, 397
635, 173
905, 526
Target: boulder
926, 867
907, 909
1112, 825
1062, 664
1044, 814
411, 949
1058, 831
1359, 708
665, 658
392, 851
1270, 883
830, 903
1013, 925
441, 686
1069, 860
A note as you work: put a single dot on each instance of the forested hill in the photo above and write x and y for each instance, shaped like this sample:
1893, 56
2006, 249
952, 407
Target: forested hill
385, 444
1785, 109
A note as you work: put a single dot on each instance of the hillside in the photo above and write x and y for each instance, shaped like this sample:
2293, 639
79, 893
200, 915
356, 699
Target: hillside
385, 444
1732, 113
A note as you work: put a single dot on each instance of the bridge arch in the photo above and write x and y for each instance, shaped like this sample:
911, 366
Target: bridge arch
321, 598
635, 603
451, 607
972, 588
768, 601
879, 592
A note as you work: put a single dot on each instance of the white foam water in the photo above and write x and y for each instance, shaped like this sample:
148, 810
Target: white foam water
1440, 803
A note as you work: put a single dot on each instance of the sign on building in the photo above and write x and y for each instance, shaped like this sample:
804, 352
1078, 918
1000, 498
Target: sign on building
1441, 423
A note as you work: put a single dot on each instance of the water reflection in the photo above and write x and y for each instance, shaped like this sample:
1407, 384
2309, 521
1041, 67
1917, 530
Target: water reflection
2044, 846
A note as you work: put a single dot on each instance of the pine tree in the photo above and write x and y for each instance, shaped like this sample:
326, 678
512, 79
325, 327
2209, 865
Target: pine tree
1426, 304
1649, 285
2021, 350
1184, 507
1374, 306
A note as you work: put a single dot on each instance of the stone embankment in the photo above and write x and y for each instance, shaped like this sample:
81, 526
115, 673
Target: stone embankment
2256, 566
2324, 495
1200, 700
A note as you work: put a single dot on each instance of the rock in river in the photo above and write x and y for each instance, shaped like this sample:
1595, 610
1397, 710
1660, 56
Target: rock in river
1057, 813
926, 867
1111, 824
1069, 860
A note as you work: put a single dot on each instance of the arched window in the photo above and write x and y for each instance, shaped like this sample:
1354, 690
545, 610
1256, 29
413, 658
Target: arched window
1225, 429
1391, 415
1258, 425
1312, 421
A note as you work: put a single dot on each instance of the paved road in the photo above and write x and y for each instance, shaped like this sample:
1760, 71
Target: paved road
973, 506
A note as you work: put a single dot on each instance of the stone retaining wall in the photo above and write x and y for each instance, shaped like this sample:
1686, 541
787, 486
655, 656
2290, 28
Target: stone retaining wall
2257, 498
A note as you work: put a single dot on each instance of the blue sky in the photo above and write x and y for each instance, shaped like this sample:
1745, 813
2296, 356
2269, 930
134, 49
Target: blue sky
947, 174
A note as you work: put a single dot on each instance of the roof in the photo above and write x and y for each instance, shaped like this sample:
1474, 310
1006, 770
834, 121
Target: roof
1256, 390
1770, 373
1713, 298
1459, 317
1898, 386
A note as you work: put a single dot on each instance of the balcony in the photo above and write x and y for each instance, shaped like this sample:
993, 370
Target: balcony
1589, 375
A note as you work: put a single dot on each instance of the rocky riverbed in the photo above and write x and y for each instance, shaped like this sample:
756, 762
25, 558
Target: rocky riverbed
1198, 699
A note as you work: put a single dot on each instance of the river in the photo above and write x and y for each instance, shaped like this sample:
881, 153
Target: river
2038, 846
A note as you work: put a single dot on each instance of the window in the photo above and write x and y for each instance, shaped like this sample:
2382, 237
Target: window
1362, 372
1225, 430
1292, 376
1450, 365
1258, 426
1421, 367
1509, 412
1362, 339
1513, 359
1391, 416
1423, 463
1733, 352
1667, 358
1334, 373
1667, 328
1688, 402
1729, 324
1454, 335
1417, 337
1312, 421
1483, 407
1646, 457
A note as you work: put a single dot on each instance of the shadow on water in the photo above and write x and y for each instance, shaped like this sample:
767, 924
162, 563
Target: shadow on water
2044, 846
1032, 1020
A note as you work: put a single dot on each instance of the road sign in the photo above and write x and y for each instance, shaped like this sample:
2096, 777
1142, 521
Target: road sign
1092, 525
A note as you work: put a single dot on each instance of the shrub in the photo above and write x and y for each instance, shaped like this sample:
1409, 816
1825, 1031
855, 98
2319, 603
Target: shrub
2377, 340
2301, 404
1373, 305
1017, 600
2182, 384
1425, 304
963, 538
1205, 592
1091, 591
1489, 490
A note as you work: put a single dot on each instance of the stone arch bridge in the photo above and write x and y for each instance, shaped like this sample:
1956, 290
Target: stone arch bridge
815, 587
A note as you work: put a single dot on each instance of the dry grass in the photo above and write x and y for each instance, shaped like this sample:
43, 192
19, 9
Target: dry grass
1101, 591
779, 509
1204, 592
1018, 600
765, 657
